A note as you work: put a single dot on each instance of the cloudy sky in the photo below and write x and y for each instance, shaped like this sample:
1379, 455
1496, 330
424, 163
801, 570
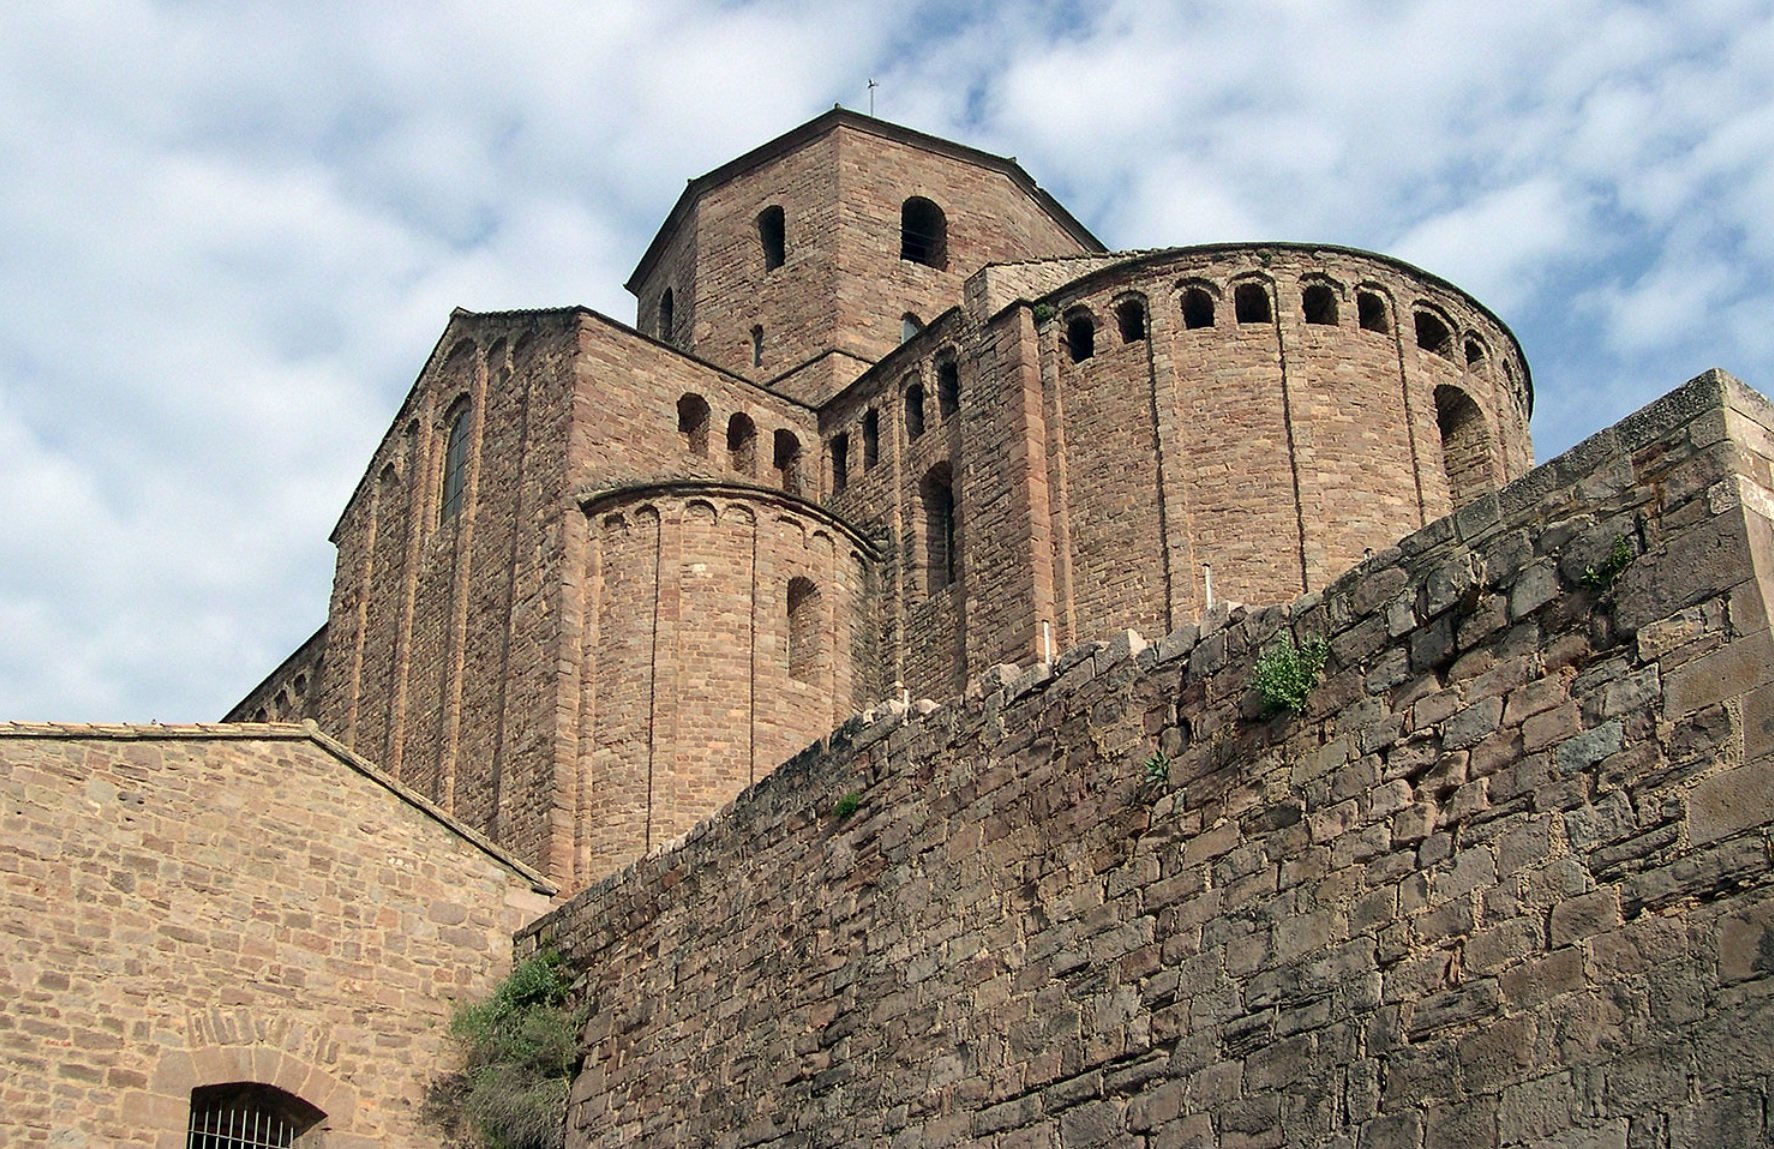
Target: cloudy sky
231, 232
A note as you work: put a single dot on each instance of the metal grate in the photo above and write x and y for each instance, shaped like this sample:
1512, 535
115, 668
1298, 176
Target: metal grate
239, 1124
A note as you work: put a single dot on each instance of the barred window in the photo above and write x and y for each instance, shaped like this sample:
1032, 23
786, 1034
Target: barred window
244, 1115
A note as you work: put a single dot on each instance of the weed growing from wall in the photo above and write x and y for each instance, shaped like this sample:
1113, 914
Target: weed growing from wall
1285, 674
844, 807
1600, 578
521, 1046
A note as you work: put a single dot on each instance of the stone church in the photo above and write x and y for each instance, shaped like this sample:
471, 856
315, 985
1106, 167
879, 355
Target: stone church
887, 481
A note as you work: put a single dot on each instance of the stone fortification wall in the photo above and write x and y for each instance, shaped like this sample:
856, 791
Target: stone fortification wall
1504, 882
194, 906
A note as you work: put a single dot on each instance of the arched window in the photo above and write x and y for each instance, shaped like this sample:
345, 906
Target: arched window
772, 235
1197, 308
1433, 335
455, 471
1130, 318
840, 453
805, 622
1319, 302
1370, 311
948, 386
667, 316
1250, 303
693, 424
923, 233
1465, 445
914, 411
245, 1115
757, 346
937, 492
786, 458
909, 326
742, 444
1080, 336
1475, 353
871, 438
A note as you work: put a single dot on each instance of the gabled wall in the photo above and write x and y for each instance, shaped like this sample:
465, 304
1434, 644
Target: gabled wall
1505, 881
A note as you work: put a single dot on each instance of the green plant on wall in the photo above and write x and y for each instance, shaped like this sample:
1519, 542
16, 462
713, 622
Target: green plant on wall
1285, 674
1600, 578
847, 805
521, 1052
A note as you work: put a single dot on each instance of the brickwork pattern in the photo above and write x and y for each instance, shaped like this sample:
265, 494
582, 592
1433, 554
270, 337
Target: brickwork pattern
185, 906
1505, 882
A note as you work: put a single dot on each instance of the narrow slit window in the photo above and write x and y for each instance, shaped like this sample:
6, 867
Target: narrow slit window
786, 458
742, 444
1251, 303
667, 316
1319, 302
840, 451
1080, 337
1197, 308
455, 472
757, 346
948, 387
693, 424
909, 326
871, 438
805, 622
937, 491
1433, 335
1370, 311
772, 236
914, 411
1130, 317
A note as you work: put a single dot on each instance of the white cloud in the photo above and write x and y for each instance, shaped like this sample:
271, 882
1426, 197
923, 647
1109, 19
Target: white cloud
230, 235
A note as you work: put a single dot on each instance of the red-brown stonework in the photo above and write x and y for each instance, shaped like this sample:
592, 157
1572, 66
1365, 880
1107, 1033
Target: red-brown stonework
191, 906
1504, 882
543, 630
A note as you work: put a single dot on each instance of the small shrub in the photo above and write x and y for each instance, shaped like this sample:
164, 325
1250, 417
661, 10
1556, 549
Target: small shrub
521, 1048
844, 807
1601, 578
1043, 312
1157, 769
1285, 674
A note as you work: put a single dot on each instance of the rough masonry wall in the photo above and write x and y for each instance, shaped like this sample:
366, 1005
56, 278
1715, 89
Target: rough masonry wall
1505, 882
187, 906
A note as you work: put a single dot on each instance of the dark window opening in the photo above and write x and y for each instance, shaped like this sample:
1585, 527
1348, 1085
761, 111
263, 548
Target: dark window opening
937, 492
909, 326
455, 473
757, 346
1130, 317
1080, 337
1465, 445
772, 234
948, 387
1319, 302
871, 438
742, 444
1250, 303
786, 458
244, 1115
667, 316
923, 233
1370, 310
914, 411
693, 424
805, 621
1433, 335
1197, 308
840, 450
1475, 353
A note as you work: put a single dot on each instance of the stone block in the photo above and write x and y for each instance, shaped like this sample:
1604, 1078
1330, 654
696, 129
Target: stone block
1732, 801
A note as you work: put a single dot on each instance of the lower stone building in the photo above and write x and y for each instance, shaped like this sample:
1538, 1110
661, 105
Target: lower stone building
243, 931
